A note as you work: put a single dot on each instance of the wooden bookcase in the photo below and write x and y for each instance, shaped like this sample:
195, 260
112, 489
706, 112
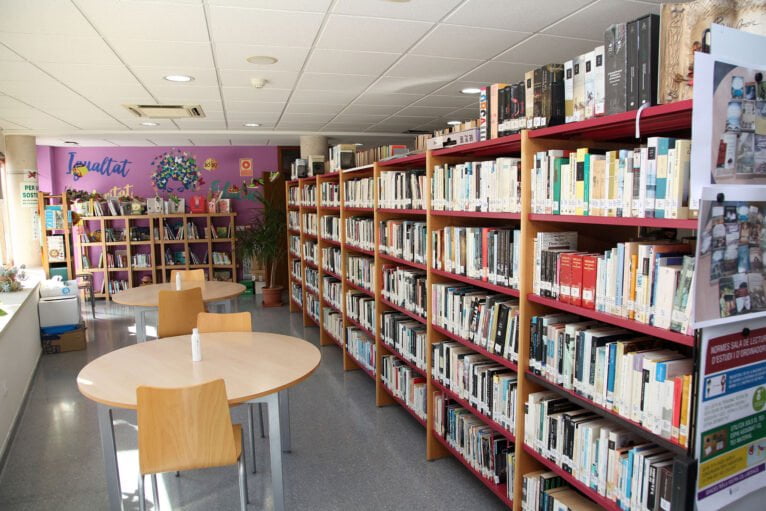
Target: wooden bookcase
44, 200
594, 233
152, 249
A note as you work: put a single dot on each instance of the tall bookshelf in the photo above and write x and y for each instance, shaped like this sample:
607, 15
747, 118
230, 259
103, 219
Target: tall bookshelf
594, 233
144, 242
44, 200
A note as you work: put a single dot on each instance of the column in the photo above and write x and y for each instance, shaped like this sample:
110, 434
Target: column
20, 158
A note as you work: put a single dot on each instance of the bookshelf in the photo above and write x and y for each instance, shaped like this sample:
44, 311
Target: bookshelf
55, 230
121, 251
595, 233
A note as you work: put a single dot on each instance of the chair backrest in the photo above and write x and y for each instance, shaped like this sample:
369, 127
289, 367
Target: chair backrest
178, 311
212, 322
194, 275
184, 428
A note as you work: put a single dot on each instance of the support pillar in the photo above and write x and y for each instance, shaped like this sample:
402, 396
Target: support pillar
20, 158
313, 145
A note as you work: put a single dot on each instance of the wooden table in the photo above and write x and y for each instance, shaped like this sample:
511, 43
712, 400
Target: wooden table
145, 298
256, 366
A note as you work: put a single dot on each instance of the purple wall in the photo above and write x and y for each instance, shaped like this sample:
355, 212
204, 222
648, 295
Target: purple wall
117, 170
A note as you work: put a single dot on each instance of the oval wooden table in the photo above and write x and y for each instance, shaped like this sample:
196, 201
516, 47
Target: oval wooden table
256, 366
145, 298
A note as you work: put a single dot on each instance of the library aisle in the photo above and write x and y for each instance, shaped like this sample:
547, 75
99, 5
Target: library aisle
376, 454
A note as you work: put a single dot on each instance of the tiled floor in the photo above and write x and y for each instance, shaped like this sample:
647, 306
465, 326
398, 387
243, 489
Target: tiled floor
347, 454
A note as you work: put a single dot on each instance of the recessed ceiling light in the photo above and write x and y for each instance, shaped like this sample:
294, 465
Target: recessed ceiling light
262, 60
471, 90
71, 142
150, 124
251, 124
454, 123
179, 78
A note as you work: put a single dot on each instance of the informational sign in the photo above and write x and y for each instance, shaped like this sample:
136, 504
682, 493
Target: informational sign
28, 188
731, 413
246, 167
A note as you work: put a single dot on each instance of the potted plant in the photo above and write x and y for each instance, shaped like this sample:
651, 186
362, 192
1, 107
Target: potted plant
263, 239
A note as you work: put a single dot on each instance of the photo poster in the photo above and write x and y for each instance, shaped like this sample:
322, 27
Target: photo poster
731, 245
728, 124
731, 414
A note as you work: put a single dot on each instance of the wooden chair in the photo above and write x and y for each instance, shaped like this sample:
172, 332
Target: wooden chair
236, 322
186, 429
177, 311
193, 275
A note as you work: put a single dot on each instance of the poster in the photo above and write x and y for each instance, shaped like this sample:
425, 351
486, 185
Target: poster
28, 189
245, 167
729, 276
731, 414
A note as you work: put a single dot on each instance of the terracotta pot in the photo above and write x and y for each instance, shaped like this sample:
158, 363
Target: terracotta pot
272, 296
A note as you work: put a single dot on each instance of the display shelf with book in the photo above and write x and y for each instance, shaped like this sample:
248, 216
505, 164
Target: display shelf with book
307, 197
55, 235
329, 229
293, 200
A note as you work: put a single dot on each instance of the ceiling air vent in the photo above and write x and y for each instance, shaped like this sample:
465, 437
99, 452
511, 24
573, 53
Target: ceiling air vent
166, 111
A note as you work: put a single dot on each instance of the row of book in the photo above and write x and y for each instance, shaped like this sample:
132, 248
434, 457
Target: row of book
360, 232
405, 383
176, 257
405, 239
544, 489
405, 336
647, 281
309, 223
361, 348
295, 269
331, 259
219, 258
296, 293
114, 235
293, 196
489, 254
489, 186
627, 373
332, 323
402, 189
170, 232
607, 459
617, 76
293, 220
483, 449
309, 195
141, 260
486, 385
115, 286
488, 320
330, 228
361, 308
220, 232
405, 287
195, 259
312, 279
310, 251
342, 156
332, 291
360, 271
330, 194
643, 182
294, 242
141, 233
359, 193
313, 307
370, 156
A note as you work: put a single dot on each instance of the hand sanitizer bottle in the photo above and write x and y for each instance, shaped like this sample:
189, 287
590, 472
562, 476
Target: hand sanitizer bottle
178, 281
196, 346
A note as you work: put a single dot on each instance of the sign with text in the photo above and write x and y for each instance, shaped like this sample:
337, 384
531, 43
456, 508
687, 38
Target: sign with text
246, 167
28, 189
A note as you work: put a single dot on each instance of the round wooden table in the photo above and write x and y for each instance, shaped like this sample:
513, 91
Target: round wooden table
145, 298
256, 366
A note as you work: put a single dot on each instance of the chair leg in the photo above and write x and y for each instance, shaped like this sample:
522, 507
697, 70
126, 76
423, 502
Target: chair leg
155, 492
251, 427
260, 415
244, 497
141, 497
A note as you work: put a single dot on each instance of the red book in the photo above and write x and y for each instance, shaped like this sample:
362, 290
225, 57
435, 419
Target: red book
678, 390
484, 254
565, 275
575, 281
589, 276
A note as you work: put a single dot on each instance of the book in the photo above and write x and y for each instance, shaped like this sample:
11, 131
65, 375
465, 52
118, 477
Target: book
631, 65
648, 53
569, 91
615, 68
599, 78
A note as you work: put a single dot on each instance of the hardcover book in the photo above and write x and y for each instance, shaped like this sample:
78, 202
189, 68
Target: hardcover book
614, 62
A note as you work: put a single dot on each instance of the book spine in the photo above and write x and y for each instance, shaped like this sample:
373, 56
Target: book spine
484, 114
648, 52
614, 57
631, 63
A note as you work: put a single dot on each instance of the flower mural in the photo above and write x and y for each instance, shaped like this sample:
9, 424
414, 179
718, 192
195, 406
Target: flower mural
175, 166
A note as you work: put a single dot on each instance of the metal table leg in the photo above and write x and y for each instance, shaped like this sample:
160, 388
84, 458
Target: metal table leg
109, 450
140, 324
275, 445
284, 419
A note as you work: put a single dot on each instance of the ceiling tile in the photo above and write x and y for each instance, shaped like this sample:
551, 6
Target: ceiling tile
13, 71
254, 107
453, 88
446, 101
241, 78
43, 17
256, 26
162, 124
425, 111
239, 118
359, 118
254, 139
152, 21
467, 42
370, 34
543, 49
92, 124
335, 82
419, 86
498, 72
168, 55
322, 96
360, 109
200, 124
341, 126
304, 126
423, 10
153, 76
309, 118
287, 5
530, 17
234, 56
252, 94
343, 61
184, 93
607, 12
7, 54
128, 141
209, 140
171, 140
310, 108
58, 48
8, 125
382, 99
431, 68
75, 75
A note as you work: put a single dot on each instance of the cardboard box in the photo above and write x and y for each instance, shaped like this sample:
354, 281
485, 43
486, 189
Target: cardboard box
72, 340
59, 311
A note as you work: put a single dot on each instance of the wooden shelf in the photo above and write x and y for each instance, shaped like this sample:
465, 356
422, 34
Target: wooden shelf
293, 231
363, 367
311, 264
409, 363
404, 405
331, 274
353, 248
358, 210
660, 333
398, 211
478, 349
360, 327
330, 208
327, 303
413, 159
671, 223
496, 426
478, 283
489, 215
353, 286
397, 260
329, 241
354, 170
311, 235
502, 146
411, 314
